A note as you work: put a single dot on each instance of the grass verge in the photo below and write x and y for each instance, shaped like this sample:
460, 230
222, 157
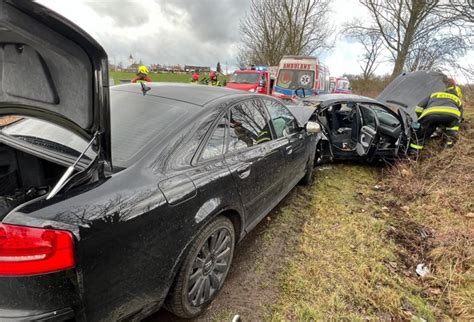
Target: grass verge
366, 230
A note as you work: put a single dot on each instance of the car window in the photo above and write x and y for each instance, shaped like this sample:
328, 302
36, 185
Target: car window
385, 117
248, 125
284, 123
368, 116
215, 144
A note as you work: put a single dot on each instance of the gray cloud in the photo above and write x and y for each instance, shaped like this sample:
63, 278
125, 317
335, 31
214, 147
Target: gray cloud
125, 13
209, 20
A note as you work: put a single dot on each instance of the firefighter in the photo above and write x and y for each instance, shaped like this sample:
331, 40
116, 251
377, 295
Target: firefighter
195, 78
440, 110
142, 75
213, 81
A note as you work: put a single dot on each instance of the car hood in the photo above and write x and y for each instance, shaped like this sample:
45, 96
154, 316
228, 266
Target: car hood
409, 89
53, 70
302, 113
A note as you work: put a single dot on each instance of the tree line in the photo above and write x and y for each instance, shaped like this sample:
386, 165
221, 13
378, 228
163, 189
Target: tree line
409, 34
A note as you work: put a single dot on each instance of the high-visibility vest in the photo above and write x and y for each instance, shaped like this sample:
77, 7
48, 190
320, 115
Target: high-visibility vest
441, 103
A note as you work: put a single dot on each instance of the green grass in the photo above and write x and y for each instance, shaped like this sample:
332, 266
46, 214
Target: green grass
174, 78
340, 268
166, 77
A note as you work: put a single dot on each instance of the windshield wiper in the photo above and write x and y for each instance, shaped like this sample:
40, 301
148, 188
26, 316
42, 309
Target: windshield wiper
70, 170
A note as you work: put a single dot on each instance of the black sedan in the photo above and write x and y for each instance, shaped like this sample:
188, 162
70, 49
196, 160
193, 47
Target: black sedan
361, 128
114, 201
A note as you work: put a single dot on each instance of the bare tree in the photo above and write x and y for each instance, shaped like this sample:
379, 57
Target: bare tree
372, 43
404, 24
274, 28
436, 53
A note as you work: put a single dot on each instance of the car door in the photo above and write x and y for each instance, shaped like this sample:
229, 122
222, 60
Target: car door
254, 159
292, 138
366, 145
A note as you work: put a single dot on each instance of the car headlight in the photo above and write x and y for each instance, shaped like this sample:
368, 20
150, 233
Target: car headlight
252, 90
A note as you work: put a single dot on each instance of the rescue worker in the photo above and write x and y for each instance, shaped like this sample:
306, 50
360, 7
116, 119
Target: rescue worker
142, 75
440, 110
195, 78
213, 81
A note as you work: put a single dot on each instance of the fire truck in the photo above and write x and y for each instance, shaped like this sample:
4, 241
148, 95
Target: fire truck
254, 79
340, 85
301, 76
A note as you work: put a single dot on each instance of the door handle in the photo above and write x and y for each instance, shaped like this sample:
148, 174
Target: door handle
243, 171
289, 150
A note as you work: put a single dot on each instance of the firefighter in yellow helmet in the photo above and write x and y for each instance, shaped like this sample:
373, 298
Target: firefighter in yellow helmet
142, 75
442, 110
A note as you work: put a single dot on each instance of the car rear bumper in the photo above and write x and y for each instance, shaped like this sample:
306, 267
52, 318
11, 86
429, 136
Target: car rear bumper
47, 297
19, 315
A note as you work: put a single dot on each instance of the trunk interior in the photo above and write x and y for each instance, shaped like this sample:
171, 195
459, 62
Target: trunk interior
24, 177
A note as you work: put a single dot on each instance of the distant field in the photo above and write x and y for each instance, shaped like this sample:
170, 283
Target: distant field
175, 78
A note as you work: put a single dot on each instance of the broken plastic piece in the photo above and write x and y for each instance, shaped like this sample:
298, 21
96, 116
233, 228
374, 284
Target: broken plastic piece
422, 270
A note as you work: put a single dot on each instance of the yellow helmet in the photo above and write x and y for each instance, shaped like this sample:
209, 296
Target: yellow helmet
143, 70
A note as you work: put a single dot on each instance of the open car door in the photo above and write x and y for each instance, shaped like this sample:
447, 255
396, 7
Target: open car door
368, 134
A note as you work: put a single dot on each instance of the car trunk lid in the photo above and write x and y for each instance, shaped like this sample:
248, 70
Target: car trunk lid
408, 89
51, 69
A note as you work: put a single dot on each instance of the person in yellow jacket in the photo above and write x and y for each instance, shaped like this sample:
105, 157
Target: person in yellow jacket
142, 75
440, 110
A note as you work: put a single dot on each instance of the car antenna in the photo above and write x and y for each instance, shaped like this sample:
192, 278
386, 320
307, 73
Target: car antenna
145, 88
70, 170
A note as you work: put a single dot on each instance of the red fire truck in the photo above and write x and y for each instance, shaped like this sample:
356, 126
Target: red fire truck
255, 79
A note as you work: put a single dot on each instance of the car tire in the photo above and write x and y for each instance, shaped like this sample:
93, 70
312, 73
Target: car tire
204, 269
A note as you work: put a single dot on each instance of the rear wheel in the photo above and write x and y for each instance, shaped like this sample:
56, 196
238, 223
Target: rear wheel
204, 269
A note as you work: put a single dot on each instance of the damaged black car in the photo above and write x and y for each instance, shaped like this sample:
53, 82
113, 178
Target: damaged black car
114, 201
361, 128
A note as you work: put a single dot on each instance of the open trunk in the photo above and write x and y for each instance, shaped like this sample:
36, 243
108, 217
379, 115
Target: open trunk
24, 177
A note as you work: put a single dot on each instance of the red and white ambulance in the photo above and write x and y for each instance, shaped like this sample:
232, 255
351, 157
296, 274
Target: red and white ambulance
340, 85
301, 75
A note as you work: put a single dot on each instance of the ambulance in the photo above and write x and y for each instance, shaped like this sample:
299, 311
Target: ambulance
301, 76
340, 85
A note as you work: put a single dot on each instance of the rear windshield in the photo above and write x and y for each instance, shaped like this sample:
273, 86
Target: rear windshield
244, 78
136, 120
46, 135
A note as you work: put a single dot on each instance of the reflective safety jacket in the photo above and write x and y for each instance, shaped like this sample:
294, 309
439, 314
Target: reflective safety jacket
447, 102
214, 83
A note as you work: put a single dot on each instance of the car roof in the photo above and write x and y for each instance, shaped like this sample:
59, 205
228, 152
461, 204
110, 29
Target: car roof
327, 99
189, 93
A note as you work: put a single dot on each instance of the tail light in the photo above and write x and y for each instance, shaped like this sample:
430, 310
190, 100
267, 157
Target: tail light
32, 251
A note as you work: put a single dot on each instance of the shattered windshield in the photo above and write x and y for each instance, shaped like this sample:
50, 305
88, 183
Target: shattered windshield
293, 79
244, 78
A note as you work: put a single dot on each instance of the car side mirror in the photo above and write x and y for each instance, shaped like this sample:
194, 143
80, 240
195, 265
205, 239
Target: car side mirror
313, 127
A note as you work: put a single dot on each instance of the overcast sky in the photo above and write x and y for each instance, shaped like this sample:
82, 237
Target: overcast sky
192, 32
